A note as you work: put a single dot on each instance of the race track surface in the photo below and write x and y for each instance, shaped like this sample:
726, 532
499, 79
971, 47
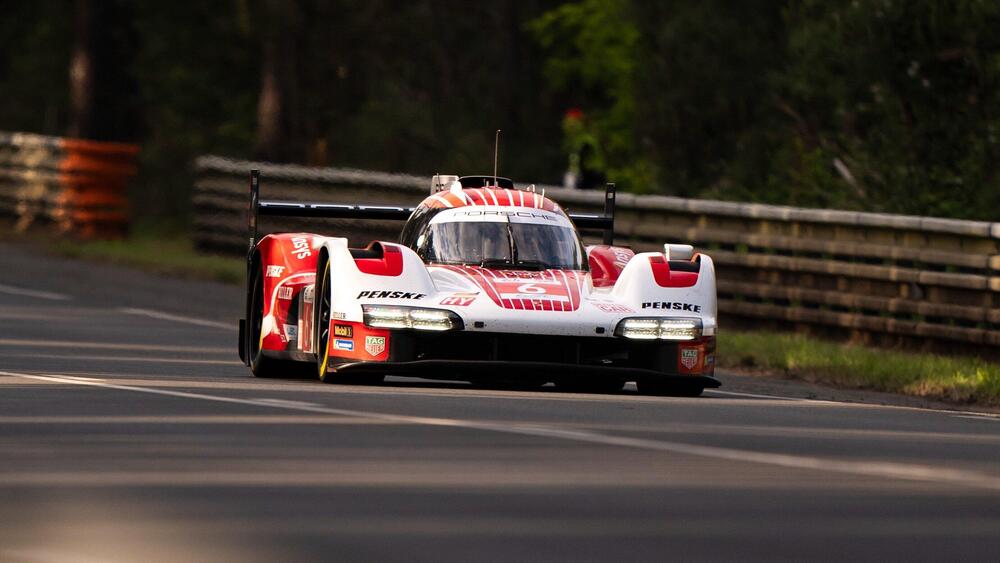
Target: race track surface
129, 431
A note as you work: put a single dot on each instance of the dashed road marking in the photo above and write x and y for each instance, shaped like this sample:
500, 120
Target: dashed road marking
176, 318
85, 345
22, 292
136, 359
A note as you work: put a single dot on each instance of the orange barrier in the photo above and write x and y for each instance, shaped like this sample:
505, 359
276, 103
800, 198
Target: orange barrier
94, 176
79, 185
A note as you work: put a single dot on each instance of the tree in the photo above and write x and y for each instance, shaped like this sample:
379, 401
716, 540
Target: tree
904, 95
591, 49
103, 92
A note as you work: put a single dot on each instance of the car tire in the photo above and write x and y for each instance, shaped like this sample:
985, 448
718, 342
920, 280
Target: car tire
321, 333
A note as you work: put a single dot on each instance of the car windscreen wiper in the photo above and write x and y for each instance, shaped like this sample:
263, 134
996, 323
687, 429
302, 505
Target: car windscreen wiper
513, 241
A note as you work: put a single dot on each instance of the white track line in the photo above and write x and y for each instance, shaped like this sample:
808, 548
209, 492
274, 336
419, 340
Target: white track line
176, 318
753, 395
84, 345
971, 414
978, 417
886, 470
20, 291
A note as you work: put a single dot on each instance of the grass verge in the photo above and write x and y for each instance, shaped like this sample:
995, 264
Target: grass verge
953, 379
160, 254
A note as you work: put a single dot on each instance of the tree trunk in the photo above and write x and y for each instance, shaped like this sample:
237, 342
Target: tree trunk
276, 116
104, 97
81, 71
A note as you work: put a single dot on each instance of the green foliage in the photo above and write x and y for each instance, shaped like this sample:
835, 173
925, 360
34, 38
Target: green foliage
34, 65
591, 48
703, 92
904, 93
854, 104
198, 84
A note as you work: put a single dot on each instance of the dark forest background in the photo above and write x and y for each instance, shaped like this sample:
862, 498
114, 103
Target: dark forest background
854, 104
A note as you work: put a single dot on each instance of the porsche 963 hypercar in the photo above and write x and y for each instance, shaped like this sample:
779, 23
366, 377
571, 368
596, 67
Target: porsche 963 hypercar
486, 282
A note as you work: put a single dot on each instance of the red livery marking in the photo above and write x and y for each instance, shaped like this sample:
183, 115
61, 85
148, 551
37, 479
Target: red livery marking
355, 341
607, 263
550, 290
390, 264
289, 266
490, 196
666, 278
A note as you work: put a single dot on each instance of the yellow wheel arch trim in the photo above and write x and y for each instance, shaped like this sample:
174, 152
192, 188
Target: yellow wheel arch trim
325, 353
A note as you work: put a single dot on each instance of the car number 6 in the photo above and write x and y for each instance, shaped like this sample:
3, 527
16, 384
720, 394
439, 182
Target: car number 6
530, 288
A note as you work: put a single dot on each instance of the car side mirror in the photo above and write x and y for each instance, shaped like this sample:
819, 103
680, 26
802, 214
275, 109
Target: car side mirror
678, 251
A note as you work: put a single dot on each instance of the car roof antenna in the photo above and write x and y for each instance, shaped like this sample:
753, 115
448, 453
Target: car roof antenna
496, 159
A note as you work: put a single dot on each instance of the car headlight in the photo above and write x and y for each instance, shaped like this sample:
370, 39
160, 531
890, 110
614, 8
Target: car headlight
382, 316
660, 329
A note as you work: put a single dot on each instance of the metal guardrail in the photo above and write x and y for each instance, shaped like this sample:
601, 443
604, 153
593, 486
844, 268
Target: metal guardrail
872, 276
76, 184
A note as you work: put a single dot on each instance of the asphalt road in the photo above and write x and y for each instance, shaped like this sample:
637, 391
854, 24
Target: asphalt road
129, 431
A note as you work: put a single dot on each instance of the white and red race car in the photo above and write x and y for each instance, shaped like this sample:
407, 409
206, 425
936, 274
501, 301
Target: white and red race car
486, 283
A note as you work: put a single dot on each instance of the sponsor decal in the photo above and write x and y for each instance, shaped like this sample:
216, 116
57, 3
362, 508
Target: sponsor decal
284, 293
338, 315
300, 248
673, 306
274, 271
505, 213
347, 331
459, 299
622, 256
346, 345
543, 277
390, 295
689, 357
308, 293
374, 345
292, 331
613, 308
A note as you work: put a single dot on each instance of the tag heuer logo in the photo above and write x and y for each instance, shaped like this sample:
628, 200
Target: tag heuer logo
374, 345
689, 357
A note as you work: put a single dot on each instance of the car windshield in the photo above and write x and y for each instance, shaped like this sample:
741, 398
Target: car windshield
505, 244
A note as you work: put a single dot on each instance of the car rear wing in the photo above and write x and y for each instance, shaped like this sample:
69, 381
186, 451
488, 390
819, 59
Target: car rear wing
268, 208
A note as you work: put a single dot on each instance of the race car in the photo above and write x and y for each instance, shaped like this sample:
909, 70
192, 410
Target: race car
487, 283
